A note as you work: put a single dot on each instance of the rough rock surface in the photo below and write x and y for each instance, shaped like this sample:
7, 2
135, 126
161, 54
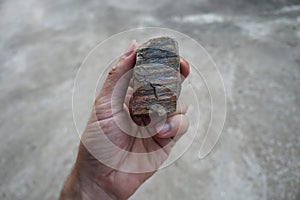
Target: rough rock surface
156, 77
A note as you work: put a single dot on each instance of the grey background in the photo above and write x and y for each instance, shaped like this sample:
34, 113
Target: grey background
254, 43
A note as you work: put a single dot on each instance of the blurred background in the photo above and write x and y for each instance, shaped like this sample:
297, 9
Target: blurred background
254, 43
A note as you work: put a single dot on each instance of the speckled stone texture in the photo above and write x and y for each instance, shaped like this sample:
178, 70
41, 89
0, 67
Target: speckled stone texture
156, 77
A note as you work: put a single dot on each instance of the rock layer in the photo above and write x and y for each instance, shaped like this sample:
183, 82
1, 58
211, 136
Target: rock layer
156, 77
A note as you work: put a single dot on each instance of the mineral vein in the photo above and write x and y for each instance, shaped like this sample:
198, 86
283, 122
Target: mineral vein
156, 77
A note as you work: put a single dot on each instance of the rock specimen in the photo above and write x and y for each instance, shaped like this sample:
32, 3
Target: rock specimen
156, 77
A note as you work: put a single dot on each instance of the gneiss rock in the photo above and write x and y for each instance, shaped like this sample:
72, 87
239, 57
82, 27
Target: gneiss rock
156, 77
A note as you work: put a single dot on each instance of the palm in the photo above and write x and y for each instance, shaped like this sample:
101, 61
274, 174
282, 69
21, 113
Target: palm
112, 172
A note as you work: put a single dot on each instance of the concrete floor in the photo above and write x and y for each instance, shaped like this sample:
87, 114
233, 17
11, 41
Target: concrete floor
254, 43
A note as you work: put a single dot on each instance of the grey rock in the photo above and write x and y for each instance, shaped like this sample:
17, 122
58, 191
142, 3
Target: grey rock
156, 77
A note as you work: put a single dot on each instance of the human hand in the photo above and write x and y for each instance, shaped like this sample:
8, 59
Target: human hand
116, 155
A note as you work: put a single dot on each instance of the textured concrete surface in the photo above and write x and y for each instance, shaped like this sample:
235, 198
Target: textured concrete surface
254, 43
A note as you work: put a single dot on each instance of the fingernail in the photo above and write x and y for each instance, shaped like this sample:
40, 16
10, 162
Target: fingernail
186, 62
131, 48
165, 129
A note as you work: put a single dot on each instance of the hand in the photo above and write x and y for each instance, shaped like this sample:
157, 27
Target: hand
107, 165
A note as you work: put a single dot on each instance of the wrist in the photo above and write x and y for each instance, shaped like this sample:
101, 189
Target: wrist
72, 187
78, 186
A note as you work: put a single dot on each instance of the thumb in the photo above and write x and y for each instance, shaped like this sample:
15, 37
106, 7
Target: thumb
115, 86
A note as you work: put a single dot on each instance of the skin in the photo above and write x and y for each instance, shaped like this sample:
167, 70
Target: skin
90, 177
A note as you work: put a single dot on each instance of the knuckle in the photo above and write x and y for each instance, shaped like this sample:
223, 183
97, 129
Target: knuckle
113, 70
